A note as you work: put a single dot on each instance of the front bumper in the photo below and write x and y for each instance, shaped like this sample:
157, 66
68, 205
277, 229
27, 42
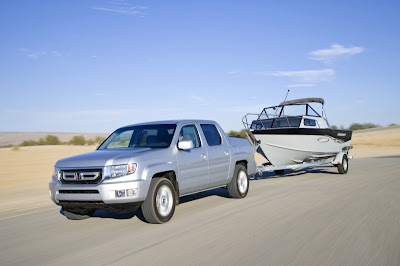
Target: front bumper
97, 193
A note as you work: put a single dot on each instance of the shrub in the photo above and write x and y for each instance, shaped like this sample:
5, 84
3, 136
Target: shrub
48, 140
51, 140
7, 146
99, 139
240, 134
334, 127
357, 126
78, 140
29, 143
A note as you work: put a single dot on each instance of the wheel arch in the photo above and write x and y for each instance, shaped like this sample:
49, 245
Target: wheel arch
171, 176
232, 168
242, 162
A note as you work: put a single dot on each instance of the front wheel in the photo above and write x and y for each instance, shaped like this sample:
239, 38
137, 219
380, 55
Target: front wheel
343, 167
239, 185
159, 206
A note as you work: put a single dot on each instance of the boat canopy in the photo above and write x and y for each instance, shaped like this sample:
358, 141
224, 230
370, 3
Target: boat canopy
304, 100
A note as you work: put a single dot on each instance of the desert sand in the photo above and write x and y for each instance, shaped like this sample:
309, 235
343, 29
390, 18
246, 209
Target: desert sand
26, 171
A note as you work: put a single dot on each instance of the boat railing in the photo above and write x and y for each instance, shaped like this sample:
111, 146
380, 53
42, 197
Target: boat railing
245, 120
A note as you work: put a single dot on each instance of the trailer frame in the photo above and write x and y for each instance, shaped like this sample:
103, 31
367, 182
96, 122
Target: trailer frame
334, 161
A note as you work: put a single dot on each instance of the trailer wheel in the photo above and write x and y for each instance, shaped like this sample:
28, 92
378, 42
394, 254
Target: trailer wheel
77, 214
344, 166
279, 172
159, 206
239, 185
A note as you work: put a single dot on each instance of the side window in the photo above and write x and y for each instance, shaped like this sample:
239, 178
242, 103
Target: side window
309, 122
212, 135
189, 132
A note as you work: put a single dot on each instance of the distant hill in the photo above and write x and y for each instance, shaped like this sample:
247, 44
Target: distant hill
15, 138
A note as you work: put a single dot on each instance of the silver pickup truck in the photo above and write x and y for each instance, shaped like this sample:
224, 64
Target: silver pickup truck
151, 165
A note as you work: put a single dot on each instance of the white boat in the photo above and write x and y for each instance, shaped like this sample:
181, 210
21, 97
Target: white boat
294, 133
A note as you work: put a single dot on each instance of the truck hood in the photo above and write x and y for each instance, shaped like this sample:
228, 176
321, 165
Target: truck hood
100, 158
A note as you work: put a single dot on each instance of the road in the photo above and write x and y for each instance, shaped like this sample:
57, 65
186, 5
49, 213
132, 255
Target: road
313, 218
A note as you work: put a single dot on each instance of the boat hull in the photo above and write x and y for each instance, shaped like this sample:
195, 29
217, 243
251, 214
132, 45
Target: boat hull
291, 146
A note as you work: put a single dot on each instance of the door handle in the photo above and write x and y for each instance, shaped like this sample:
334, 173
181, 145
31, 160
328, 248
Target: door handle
204, 156
226, 153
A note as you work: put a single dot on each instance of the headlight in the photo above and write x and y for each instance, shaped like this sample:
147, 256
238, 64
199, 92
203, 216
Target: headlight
123, 169
55, 173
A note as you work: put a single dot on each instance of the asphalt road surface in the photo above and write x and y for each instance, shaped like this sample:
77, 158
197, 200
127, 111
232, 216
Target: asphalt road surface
305, 218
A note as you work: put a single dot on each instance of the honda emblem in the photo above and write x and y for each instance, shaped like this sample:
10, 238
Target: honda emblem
78, 176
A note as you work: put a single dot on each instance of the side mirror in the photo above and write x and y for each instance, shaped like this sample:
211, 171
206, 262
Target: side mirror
185, 145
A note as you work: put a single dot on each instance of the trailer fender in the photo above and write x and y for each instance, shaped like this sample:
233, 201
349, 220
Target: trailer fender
339, 158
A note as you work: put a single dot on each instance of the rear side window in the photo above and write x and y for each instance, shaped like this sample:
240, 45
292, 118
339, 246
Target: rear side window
212, 135
309, 122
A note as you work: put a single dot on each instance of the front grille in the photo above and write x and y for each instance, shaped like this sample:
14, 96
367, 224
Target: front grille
64, 191
81, 176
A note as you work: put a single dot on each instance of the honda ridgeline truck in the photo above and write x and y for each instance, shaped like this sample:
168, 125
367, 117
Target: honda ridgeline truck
151, 165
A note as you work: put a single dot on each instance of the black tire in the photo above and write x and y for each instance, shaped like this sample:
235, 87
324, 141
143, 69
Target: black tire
279, 172
77, 214
343, 167
159, 206
239, 185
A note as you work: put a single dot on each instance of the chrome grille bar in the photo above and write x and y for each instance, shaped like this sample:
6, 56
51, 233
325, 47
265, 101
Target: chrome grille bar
81, 176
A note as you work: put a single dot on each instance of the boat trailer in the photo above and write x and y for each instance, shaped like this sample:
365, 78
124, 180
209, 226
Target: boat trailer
267, 167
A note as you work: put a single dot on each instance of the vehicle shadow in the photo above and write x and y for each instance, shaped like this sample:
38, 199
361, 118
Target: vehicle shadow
114, 215
221, 192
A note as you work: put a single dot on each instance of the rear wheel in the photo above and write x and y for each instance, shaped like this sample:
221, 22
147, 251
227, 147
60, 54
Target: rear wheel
239, 185
77, 214
159, 206
344, 166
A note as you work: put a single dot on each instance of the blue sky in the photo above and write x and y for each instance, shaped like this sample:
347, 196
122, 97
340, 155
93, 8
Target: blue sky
93, 66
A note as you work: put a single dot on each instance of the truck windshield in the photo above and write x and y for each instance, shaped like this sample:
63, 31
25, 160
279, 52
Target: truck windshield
145, 136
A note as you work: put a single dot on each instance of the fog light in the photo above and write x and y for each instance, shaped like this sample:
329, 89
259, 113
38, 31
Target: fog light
132, 192
119, 193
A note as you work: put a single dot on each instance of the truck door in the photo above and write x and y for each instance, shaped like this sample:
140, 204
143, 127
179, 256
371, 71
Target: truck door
218, 156
193, 163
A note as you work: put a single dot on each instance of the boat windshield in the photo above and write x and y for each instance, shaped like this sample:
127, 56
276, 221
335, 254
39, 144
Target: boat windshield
283, 116
144, 136
288, 110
